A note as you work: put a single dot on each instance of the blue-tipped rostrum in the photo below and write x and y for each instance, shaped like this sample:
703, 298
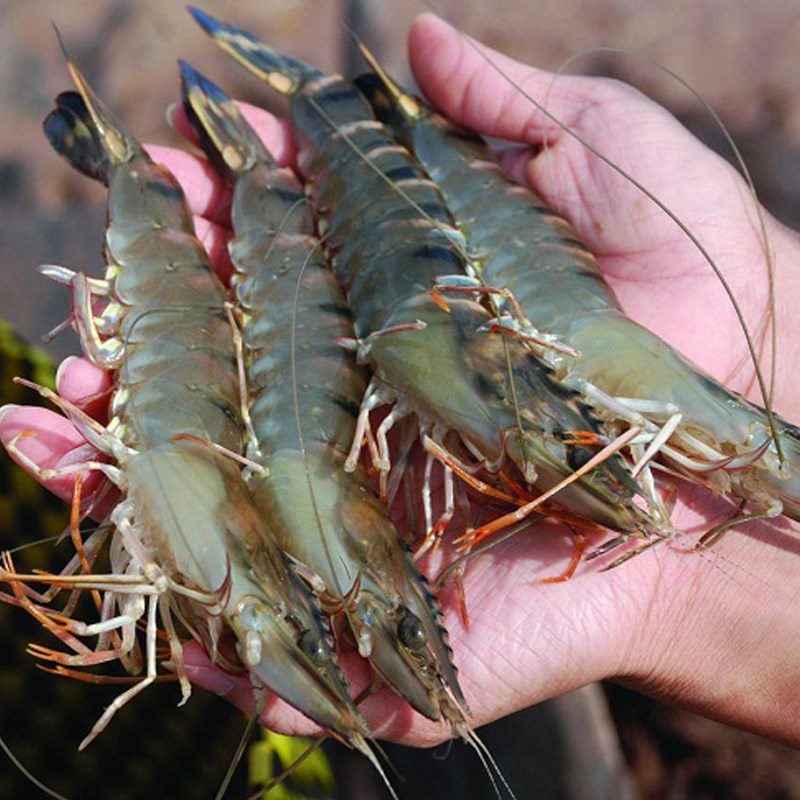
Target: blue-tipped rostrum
283, 73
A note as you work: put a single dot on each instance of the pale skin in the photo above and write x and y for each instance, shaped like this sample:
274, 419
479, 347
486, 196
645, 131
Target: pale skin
714, 633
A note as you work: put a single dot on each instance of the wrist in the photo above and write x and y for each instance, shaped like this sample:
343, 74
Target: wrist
719, 633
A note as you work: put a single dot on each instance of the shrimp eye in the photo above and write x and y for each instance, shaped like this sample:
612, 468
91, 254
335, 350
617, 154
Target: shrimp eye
311, 644
411, 633
578, 455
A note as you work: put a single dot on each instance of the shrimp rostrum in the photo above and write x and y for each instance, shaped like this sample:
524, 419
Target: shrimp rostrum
189, 542
390, 237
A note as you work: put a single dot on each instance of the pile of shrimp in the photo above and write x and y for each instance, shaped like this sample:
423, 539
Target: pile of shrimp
396, 301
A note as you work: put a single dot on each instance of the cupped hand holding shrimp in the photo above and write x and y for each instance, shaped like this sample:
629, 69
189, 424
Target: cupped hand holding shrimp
713, 632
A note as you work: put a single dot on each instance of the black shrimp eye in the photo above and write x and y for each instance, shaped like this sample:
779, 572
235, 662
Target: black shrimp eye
311, 644
411, 633
578, 455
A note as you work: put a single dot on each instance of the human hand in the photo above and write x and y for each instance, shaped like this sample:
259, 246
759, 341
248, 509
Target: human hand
688, 638
675, 624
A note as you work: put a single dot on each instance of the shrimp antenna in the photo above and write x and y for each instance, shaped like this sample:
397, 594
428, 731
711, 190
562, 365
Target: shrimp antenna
237, 755
366, 750
36, 543
288, 771
738, 158
762, 386
385, 756
309, 751
28, 774
489, 764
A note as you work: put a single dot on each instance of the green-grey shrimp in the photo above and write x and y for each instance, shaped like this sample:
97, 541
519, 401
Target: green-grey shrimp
305, 391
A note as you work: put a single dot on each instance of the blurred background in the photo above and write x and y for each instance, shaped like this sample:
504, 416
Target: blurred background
603, 742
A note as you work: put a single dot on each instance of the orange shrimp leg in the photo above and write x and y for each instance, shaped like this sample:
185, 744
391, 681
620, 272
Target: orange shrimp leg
75, 534
578, 549
40, 614
585, 438
452, 463
83, 655
473, 537
101, 680
459, 284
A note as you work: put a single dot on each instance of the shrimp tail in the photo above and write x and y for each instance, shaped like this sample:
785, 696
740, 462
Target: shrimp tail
229, 142
71, 133
391, 102
283, 73
83, 130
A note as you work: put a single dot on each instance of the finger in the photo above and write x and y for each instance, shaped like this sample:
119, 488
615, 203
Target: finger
206, 193
51, 442
486, 91
275, 132
85, 385
516, 162
215, 239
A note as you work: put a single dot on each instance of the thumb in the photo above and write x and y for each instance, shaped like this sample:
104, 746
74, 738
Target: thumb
488, 92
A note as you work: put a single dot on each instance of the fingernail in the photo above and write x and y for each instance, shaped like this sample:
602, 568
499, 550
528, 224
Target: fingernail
6, 408
211, 679
62, 369
172, 114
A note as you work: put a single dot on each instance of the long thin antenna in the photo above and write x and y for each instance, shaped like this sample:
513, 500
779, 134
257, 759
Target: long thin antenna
771, 318
237, 756
28, 774
288, 771
478, 744
367, 751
